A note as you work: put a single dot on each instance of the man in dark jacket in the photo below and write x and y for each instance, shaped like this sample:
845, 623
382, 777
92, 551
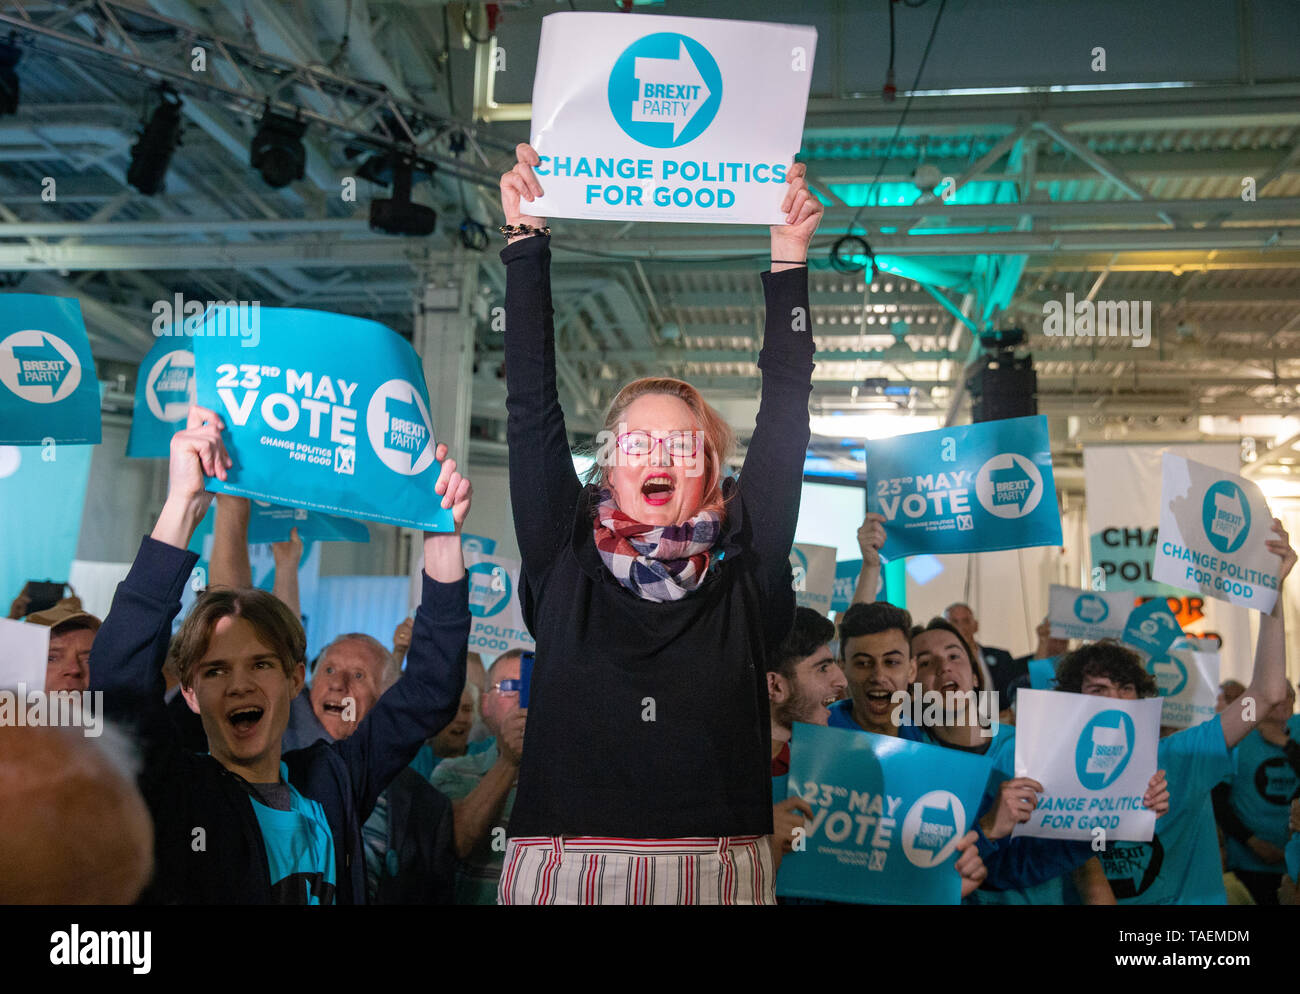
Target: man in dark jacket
245, 824
409, 841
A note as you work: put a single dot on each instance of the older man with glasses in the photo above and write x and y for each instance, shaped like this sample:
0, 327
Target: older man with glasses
482, 785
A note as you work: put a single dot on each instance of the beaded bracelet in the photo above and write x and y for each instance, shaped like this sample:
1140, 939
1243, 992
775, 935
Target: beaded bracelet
510, 230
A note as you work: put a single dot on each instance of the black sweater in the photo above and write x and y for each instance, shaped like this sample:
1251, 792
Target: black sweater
185, 791
649, 720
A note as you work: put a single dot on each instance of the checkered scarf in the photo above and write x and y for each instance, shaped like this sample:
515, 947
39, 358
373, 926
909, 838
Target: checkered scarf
655, 562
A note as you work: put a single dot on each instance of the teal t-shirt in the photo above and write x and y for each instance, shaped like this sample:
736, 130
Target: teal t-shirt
299, 845
1181, 864
1262, 785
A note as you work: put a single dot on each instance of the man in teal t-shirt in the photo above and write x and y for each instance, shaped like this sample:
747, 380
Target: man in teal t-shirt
1254, 805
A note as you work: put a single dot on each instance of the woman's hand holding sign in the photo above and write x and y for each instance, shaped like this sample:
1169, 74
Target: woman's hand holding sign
442, 555
521, 184
803, 212
197, 452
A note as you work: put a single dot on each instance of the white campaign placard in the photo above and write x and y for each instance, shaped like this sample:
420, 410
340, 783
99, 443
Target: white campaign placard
1088, 614
1188, 684
496, 619
1094, 757
812, 569
1213, 526
24, 652
668, 118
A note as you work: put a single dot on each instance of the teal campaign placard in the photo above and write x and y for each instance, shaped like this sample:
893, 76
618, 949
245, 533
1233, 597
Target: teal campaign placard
48, 390
326, 412
846, 581
887, 816
42, 495
164, 392
969, 488
268, 523
1152, 628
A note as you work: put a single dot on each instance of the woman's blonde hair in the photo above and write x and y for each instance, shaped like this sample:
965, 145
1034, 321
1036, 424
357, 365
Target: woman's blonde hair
719, 439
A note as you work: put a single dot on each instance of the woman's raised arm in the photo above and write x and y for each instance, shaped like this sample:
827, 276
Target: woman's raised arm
772, 477
543, 485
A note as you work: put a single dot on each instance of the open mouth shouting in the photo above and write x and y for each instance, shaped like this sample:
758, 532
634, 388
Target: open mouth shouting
658, 489
244, 721
880, 700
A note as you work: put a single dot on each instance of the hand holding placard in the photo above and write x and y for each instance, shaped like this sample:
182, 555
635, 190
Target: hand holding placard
519, 185
197, 453
443, 560
803, 212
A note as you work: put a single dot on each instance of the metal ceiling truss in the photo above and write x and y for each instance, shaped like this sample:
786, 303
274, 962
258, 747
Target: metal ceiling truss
369, 116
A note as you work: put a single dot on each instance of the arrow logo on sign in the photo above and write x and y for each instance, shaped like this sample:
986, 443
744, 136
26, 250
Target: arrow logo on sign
1011, 486
936, 828
407, 431
670, 91
41, 365
173, 383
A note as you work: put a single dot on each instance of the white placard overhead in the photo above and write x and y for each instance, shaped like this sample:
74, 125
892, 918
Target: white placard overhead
24, 652
496, 619
1213, 526
1094, 757
1188, 684
650, 118
1088, 614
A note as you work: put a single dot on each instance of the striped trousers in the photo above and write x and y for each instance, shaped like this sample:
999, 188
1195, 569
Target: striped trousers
590, 870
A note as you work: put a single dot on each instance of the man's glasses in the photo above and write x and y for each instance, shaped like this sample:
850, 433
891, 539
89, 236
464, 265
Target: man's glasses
507, 686
679, 444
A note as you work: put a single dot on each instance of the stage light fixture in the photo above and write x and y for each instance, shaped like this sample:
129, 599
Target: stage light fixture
277, 151
152, 152
398, 215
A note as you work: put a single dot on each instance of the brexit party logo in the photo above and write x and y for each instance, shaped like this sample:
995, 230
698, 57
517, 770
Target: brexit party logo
1276, 781
1170, 674
1225, 516
399, 428
1132, 867
1103, 750
489, 589
39, 367
665, 90
1009, 485
931, 828
1152, 628
1091, 609
169, 386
